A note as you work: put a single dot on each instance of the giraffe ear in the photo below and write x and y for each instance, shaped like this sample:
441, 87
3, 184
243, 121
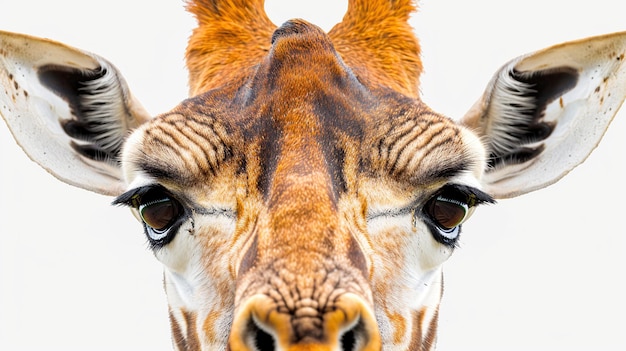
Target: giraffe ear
68, 109
542, 114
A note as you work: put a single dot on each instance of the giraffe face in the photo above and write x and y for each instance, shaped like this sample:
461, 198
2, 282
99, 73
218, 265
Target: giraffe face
304, 197
296, 198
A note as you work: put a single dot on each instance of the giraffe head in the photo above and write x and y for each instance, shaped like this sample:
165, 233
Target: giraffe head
304, 197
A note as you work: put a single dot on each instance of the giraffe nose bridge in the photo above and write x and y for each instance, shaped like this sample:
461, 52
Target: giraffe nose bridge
304, 300
348, 326
302, 281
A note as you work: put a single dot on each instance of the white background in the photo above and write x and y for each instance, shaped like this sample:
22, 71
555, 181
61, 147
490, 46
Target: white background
546, 271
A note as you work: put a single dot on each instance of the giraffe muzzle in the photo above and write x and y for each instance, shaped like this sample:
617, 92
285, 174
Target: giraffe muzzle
348, 325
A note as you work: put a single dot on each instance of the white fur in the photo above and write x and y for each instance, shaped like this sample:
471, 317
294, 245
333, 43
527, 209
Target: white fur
111, 129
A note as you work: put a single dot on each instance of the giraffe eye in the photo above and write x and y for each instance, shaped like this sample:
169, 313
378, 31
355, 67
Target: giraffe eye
160, 211
449, 208
160, 214
446, 212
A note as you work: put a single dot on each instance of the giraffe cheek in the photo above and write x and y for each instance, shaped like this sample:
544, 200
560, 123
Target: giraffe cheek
180, 292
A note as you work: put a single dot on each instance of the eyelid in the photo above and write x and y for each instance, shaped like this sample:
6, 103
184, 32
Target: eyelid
132, 197
476, 195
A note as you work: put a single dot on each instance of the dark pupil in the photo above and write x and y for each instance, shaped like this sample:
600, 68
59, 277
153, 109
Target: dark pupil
447, 214
160, 214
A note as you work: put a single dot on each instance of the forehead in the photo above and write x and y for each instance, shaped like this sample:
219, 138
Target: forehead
303, 109
413, 147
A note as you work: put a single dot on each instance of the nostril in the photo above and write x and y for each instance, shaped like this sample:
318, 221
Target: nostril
354, 338
348, 340
262, 340
253, 329
354, 324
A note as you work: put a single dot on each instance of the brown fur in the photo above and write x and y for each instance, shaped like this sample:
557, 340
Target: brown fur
374, 39
304, 197
299, 132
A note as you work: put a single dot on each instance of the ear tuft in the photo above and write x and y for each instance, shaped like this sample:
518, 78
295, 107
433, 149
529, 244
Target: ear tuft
93, 96
519, 123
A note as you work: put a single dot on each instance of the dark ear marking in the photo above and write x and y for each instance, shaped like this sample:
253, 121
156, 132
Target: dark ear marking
518, 119
93, 96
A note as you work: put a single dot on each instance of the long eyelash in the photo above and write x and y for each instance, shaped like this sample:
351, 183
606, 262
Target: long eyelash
480, 197
126, 199
131, 198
